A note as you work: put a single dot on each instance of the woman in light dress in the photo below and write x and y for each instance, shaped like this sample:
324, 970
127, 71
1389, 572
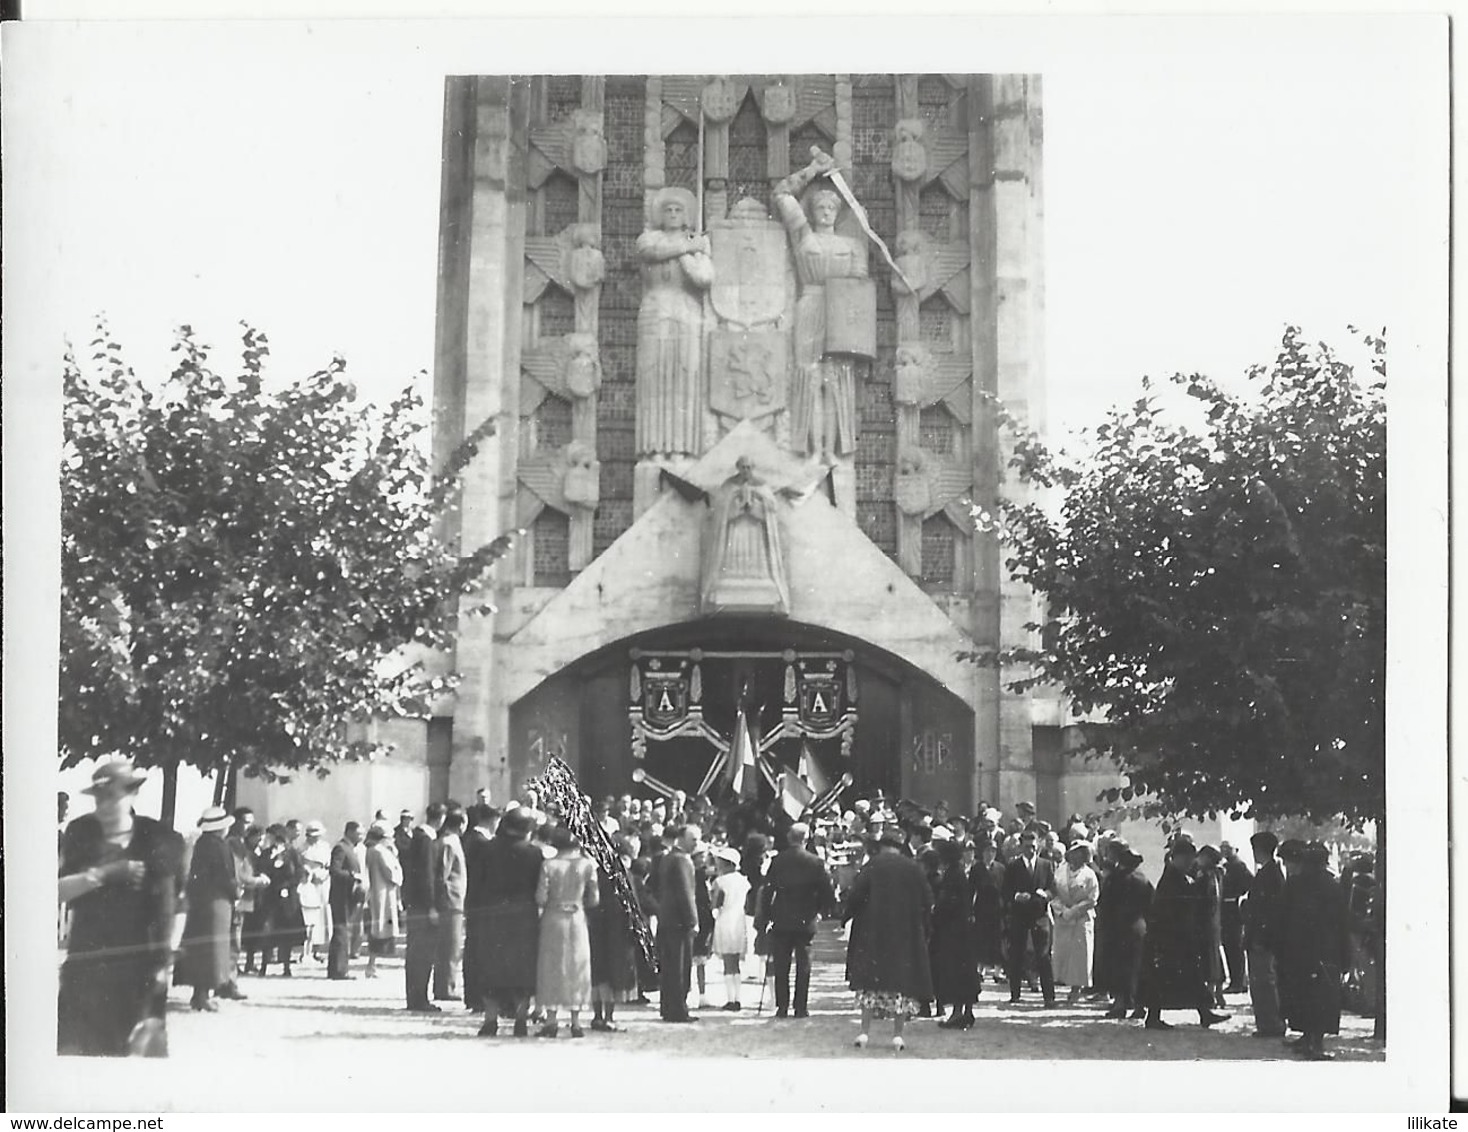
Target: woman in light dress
316, 857
567, 887
731, 924
1073, 906
384, 878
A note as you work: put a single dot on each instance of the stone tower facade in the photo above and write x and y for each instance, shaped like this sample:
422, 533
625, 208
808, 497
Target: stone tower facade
706, 350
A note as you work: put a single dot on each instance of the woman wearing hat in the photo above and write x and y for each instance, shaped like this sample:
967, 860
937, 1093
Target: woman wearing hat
731, 923
1312, 946
614, 947
567, 887
1174, 975
890, 909
1072, 905
384, 879
1121, 929
119, 874
285, 922
954, 947
206, 964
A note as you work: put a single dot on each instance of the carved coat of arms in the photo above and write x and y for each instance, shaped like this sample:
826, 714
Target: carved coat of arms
821, 695
664, 698
750, 285
747, 372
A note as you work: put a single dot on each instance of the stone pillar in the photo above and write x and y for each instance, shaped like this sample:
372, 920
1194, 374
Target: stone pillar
1004, 217
490, 223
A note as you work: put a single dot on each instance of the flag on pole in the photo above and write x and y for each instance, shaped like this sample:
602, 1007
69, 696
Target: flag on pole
811, 772
744, 778
795, 795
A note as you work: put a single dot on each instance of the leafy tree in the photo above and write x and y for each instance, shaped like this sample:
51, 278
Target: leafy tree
1216, 591
244, 572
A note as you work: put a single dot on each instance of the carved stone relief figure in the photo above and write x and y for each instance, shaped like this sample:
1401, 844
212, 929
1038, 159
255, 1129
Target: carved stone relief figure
676, 270
835, 315
581, 486
744, 559
909, 157
586, 268
913, 491
588, 142
911, 378
913, 260
583, 366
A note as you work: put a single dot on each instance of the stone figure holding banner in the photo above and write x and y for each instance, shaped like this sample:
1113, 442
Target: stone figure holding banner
835, 315
676, 270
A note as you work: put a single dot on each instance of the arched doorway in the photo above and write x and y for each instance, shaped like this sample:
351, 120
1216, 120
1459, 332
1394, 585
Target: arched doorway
665, 701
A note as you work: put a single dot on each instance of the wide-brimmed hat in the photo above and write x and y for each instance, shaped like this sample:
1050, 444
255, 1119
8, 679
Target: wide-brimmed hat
115, 774
517, 821
1080, 848
729, 854
215, 819
315, 827
1030, 806
942, 833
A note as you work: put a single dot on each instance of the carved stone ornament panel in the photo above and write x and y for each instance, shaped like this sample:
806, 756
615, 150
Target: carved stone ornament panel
588, 144
909, 155
751, 285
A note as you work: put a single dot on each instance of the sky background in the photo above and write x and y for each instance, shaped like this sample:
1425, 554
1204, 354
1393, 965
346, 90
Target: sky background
1207, 181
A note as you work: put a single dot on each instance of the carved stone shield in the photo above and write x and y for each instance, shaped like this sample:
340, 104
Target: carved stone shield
747, 372
749, 271
720, 99
779, 104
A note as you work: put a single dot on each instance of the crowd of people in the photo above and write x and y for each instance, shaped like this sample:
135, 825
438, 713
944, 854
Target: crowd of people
505, 911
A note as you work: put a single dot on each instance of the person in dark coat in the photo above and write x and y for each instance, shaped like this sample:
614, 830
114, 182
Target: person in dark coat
284, 919
797, 889
483, 820
420, 909
677, 924
987, 880
508, 947
1261, 914
1312, 945
1209, 871
954, 949
1174, 974
614, 948
207, 964
1029, 883
890, 910
1121, 930
1237, 877
119, 876
344, 894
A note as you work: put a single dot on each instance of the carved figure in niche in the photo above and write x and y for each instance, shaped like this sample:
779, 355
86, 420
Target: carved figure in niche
912, 247
586, 268
913, 491
911, 377
583, 365
588, 142
909, 157
581, 484
676, 270
744, 561
835, 315
778, 104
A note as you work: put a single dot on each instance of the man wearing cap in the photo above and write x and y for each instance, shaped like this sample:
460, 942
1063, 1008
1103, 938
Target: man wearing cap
345, 893
796, 891
677, 924
1260, 915
1029, 885
420, 910
207, 965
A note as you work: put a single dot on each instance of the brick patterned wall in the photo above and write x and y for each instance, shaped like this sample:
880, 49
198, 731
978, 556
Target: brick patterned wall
682, 156
621, 292
562, 96
939, 552
562, 199
551, 537
557, 312
749, 164
552, 423
873, 112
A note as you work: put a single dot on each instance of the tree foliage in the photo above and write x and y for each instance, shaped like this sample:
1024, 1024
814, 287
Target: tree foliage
1216, 593
243, 572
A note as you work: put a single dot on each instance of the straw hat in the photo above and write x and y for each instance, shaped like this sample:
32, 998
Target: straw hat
214, 820
115, 774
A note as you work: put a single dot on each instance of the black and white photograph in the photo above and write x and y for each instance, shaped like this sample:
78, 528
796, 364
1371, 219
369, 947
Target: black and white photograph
542, 580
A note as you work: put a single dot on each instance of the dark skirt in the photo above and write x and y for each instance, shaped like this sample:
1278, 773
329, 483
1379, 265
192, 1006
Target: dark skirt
1310, 999
507, 950
101, 999
613, 952
206, 962
953, 951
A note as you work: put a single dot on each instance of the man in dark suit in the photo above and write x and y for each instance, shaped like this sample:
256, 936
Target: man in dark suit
343, 895
1029, 882
796, 891
677, 925
420, 911
1261, 912
483, 819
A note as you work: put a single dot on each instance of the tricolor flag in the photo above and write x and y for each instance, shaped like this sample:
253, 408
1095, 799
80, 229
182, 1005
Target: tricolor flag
811, 772
744, 779
795, 795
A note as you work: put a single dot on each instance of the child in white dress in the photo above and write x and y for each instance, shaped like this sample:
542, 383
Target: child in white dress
731, 925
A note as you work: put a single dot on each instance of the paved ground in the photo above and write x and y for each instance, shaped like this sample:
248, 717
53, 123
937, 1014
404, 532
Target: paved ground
286, 1020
